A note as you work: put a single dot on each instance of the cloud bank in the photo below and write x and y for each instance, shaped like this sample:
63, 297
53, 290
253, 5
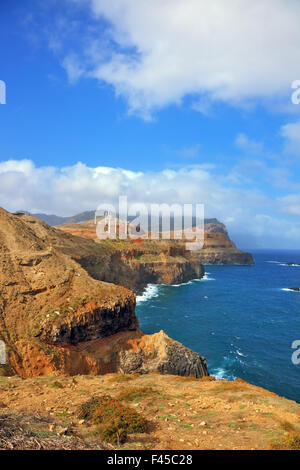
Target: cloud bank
155, 53
73, 189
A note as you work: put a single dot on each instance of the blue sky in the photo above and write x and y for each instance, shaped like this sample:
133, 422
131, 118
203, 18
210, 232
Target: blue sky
175, 101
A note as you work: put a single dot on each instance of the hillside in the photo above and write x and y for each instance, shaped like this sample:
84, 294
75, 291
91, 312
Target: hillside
56, 319
180, 412
74, 350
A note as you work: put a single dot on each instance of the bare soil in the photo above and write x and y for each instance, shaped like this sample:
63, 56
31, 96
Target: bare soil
184, 413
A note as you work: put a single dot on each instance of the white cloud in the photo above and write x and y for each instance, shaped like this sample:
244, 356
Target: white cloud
73, 68
233, 50
291, 133
249, 146
290, 204
70, 190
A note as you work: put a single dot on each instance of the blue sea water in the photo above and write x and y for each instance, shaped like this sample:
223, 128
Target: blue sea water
239, 317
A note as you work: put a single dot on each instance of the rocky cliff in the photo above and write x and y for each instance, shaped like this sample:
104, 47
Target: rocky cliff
219, 248
56, 319
135, 263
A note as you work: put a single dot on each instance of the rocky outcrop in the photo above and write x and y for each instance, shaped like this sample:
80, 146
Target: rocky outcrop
92, 319
132, 352
219, 248
160, 353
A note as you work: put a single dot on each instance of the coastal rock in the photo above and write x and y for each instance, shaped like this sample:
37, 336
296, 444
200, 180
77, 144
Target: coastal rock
131, 352
160, 353
219, 248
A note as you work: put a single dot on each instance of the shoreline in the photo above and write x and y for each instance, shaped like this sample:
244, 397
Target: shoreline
217, 366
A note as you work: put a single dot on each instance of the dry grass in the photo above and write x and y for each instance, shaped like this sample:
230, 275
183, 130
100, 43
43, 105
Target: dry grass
113, 420
15, 435
56, 384
287, 426
289, 442
182, 413
121, 378
136, 393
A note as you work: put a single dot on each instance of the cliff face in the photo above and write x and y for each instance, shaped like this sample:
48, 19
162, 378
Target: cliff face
133, 352
135, 263
219, 249
55, 318
135, 269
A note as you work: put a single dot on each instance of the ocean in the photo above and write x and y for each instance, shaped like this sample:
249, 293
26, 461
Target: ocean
241, 318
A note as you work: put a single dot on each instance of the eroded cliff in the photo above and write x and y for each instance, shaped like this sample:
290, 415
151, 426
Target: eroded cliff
135, 263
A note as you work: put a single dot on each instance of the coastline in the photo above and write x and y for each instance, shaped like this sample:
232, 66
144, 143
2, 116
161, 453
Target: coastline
152, 290
241, 322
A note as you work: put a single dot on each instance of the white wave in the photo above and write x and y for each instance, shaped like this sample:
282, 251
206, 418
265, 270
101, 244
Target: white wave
291, 265
182, 284
204, 278
207, 278
281, 263
150, 292
240, 353
221, 374
286, 289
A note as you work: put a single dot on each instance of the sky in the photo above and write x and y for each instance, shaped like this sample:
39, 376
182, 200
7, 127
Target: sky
176, 101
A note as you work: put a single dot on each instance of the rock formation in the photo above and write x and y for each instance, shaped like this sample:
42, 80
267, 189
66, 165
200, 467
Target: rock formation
56, 319
219, 249
135, 263
159, 352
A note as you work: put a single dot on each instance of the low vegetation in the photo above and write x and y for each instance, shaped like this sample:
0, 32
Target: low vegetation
136, 393
290, 442
113, 420
150, 411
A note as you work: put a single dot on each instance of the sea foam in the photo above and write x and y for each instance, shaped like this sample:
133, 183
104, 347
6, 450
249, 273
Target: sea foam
150, 291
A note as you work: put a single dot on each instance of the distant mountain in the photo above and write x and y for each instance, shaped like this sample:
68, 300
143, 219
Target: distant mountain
82, 217
89, 215
52, 219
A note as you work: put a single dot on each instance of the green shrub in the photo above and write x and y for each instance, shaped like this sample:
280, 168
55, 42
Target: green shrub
290, 442
135, 393
114, 421
56, 384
